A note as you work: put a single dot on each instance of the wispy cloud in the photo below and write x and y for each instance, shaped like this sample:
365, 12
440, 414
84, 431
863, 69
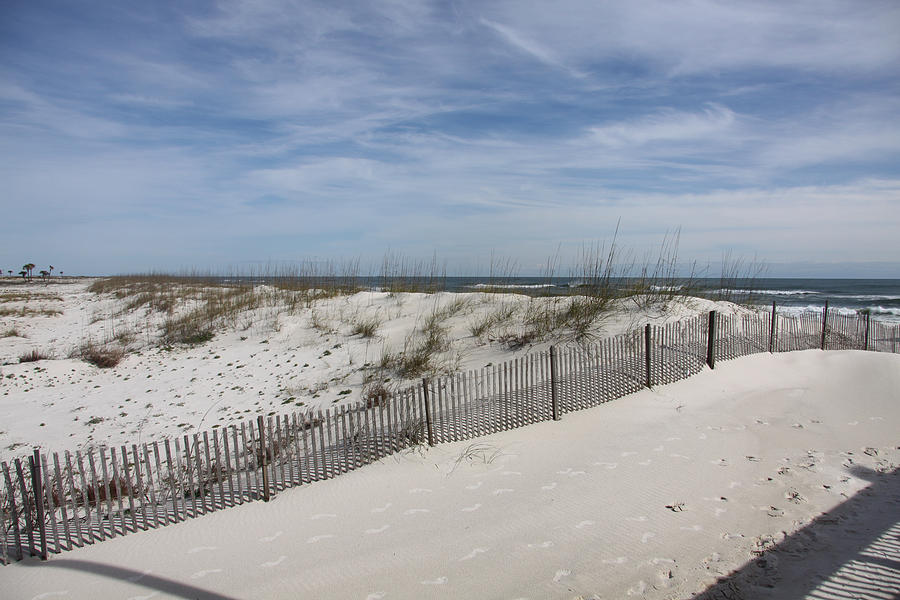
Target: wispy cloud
244, 130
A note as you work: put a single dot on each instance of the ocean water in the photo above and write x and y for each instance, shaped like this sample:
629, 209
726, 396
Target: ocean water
880, 297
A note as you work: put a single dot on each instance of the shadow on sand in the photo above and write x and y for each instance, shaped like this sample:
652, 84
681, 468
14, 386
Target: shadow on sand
850, 552
146, 580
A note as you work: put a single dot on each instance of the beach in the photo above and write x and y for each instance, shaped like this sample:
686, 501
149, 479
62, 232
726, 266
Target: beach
656, 495
772, 476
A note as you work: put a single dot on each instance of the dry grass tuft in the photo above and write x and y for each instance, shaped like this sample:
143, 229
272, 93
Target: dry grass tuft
366, 327
33, 356
105, 356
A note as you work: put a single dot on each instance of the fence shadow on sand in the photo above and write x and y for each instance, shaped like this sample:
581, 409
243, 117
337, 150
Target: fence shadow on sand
850, 552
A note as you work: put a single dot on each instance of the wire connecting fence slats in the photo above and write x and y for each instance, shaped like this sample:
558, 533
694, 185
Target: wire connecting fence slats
51, 504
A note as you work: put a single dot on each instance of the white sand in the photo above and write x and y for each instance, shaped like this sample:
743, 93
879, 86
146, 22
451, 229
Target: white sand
652, 496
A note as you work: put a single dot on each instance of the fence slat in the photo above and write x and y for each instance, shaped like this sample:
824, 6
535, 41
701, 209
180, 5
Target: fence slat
14, 512
49, 497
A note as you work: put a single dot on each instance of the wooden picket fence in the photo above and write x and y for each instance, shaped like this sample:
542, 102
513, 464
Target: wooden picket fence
53, 503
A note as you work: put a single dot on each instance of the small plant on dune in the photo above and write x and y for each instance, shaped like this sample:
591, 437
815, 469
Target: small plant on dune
478, 452
319, 322
499, 318
33, 356
186, 331
12, 332
366, 327
104, 356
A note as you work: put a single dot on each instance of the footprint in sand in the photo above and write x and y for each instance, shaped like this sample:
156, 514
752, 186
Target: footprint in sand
734, 484
475, 486
272, 537
323, 516
606, 465
548, 486
645, 463
413, 511
474, 553
318, 538
619, 560
147, 597
732, 536
647, 537
662, 561
381, 529
719, 511
51, 594
876, 418
274, 563
381, 509
640, 519
501, 491
420, 491
200, 574
560, 574
627, 453
693, 528
376, 596
658, 449
508, 473
720, 462
438, 581
680, 456
702, 436
471, 508
205, 548
584, 524
547, 544
638, 590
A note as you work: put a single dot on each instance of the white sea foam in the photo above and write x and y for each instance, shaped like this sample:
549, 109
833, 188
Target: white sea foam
512, 286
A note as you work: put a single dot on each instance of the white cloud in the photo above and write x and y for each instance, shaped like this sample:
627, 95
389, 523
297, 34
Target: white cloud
668, 126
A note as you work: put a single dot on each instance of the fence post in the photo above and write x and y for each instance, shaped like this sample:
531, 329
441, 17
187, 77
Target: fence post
824, 323
647, 351
772, 330
428, 424
554, 384
866, 346
36, 489
263, 454
711, 341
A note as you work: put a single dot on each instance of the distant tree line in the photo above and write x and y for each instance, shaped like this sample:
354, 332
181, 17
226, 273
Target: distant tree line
27, 272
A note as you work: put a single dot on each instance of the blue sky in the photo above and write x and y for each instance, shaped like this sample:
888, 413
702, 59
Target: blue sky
219, 135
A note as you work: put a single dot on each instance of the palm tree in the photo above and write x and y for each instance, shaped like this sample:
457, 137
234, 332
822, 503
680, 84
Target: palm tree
29, 268
51, 269
23, 273
44, 274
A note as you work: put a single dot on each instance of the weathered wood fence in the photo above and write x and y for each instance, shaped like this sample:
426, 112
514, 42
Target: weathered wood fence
53, 503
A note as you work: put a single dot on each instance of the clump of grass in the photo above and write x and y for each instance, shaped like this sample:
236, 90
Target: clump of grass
104, 356
12, 332
27, 296
366, 327
498, 319
319, 322
26, 311
33, 356
420, 351
190, 332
